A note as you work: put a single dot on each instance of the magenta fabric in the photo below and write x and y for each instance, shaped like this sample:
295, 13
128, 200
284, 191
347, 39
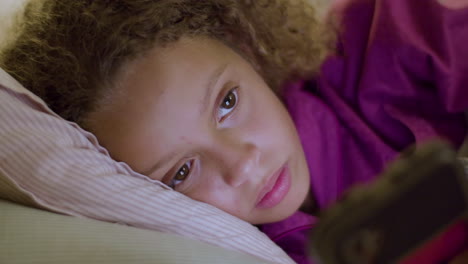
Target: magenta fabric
400, 76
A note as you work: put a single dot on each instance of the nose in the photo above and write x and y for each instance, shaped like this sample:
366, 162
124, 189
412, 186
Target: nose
242, 162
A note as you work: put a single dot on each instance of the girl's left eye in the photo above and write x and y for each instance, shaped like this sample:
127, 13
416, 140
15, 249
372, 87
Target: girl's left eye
228, 104
181, 175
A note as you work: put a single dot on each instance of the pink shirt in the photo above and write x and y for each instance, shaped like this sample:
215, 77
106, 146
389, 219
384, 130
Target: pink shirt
399, 77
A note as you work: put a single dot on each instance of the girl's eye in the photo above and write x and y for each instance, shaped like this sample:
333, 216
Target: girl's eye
181, 175
228, 104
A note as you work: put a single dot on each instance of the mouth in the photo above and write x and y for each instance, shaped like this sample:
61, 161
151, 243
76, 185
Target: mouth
275, 189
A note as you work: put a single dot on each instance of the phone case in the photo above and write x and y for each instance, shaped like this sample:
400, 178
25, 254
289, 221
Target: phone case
415, 199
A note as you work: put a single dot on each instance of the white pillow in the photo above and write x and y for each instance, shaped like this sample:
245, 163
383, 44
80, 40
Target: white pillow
51, 163
8, 12
29, 235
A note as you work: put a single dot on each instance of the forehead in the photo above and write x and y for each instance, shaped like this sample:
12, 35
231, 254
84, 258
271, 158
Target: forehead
169, 79
175, 66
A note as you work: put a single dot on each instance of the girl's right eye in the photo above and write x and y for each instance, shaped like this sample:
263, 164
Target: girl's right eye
181, 175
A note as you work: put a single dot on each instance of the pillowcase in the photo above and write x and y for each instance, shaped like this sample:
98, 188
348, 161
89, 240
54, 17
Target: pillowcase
50, 163
29, 235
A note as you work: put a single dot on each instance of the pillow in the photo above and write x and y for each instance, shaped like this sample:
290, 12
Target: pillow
34, 236
8, 15
50, 163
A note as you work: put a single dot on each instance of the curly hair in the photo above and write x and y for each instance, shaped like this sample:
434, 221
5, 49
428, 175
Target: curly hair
69, 52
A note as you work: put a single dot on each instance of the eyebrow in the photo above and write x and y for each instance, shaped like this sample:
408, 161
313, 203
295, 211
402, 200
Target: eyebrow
211, 85
158, 165
214, 78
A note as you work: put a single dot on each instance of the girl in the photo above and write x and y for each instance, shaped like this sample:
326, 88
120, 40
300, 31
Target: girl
185, 92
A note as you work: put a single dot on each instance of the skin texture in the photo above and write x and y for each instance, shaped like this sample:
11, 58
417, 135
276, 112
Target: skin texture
229, 143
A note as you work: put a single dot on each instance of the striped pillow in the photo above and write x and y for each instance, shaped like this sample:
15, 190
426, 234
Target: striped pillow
50, 163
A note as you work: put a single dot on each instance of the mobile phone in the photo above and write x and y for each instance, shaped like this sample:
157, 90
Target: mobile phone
415, 199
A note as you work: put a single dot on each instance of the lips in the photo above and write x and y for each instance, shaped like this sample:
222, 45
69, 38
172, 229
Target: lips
275, 189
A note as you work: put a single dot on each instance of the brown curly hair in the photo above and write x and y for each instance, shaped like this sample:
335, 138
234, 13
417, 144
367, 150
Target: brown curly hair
69, 52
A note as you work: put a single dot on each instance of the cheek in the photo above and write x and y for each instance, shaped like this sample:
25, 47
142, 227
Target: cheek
270, 117
216, 195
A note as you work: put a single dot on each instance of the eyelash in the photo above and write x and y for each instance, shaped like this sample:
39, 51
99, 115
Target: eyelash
186, 171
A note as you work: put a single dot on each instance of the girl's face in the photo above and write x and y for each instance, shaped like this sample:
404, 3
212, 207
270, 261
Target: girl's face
197, 116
